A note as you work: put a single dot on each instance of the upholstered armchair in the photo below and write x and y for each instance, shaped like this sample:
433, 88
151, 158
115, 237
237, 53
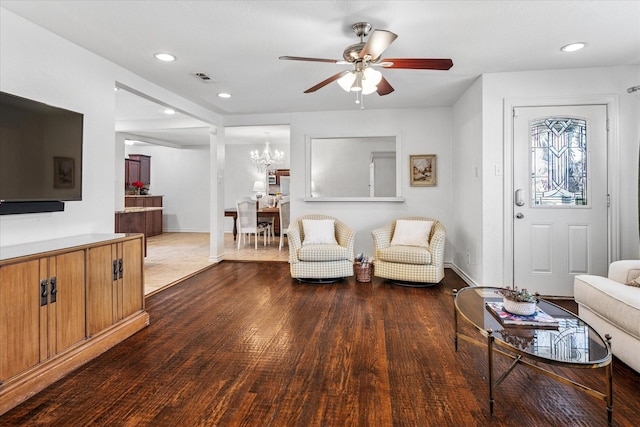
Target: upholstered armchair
321, 248
414, 256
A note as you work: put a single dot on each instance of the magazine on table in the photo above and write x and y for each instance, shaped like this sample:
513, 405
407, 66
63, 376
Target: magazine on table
539, 319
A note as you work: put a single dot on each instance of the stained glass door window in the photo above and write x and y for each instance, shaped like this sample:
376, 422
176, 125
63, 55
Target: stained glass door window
559, 162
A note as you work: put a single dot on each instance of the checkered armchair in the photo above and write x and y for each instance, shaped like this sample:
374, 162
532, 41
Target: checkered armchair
409, 263
322, 261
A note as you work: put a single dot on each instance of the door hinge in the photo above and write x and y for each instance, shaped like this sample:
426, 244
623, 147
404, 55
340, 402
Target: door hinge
608, 200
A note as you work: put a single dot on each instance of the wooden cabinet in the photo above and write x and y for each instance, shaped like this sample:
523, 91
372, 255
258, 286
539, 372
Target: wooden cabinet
20, 327
131, 172
115, 272
147, 221
145, 167
279, 173
62, 309
44, 310
62, 303
133, 202
153, 218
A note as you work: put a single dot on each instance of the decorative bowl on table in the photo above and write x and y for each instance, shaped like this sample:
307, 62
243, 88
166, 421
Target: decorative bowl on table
519, 307
518, 301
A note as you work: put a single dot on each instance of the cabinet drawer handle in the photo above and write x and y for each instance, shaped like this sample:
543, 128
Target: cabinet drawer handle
120, 268
43, 292
54, 289
115, 269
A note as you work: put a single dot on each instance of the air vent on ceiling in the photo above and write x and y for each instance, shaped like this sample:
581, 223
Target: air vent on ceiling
204, 77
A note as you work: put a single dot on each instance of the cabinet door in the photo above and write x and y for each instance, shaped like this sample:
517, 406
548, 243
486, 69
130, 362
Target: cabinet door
67, 303
145, 170
157, 223
145, 167
100, 276
132, 277
132, 172
19, 318
133, 202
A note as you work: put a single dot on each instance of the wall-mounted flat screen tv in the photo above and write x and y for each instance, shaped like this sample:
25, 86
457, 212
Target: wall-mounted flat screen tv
40, 151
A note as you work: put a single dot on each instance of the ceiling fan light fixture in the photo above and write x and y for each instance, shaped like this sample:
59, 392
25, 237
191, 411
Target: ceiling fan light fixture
357, 84
370, 80
346, 81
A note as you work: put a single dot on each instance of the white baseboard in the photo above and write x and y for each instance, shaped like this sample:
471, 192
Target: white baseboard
468, 280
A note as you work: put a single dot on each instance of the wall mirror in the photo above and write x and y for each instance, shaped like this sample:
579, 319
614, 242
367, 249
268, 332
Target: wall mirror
360, 168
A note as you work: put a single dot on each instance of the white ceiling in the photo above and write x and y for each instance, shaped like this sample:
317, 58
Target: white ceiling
238, 43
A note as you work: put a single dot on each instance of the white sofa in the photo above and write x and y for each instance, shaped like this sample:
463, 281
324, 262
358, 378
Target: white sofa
612, 307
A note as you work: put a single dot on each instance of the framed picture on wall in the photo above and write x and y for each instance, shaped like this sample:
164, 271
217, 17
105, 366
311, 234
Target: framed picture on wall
422, 168
63, 169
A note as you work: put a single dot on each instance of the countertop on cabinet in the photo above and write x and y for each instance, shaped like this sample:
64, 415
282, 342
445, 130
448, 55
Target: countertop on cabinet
140, 209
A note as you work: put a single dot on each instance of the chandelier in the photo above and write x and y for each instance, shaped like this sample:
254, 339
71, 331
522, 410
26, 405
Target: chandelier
267, 159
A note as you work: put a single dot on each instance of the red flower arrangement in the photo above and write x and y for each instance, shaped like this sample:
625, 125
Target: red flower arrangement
137, 184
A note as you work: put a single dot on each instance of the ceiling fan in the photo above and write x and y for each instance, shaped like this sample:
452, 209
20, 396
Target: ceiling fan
364, 57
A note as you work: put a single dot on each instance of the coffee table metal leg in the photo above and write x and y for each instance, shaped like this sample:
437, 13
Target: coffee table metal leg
609, 372
490, 339
455, 320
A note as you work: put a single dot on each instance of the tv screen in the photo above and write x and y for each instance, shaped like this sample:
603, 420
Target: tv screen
40, 151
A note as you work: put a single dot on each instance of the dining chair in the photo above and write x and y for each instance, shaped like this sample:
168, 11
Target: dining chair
265, 202
283, 207
248, 221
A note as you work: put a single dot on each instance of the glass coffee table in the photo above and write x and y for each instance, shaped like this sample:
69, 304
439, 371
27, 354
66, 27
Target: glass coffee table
571, 344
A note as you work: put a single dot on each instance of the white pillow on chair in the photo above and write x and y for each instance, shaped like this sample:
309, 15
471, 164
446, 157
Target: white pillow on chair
412, 233
319, 232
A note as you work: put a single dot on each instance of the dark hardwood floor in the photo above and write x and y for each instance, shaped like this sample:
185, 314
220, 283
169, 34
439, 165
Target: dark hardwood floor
242, 344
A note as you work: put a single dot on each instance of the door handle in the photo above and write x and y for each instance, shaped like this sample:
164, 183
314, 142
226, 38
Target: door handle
54, 289
519, 197
43, 292
519, 215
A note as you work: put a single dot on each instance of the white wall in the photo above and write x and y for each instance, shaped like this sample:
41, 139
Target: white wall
466, 233
422, 131
577, 84
182, 176
41, 66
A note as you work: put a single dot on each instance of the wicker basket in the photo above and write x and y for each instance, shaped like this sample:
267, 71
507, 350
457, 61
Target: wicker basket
520, 308
363, 271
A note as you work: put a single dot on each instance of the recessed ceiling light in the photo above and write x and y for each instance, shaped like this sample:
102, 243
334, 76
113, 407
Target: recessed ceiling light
169, 111
573, 47
166, 57
129, 141
224, 95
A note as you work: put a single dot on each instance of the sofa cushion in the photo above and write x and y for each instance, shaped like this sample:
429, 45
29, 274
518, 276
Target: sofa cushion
405, 255
319, 232
613, 301
323, 252
411, 233
635, 282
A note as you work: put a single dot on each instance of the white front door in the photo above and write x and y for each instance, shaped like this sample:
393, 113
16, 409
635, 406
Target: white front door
560, 202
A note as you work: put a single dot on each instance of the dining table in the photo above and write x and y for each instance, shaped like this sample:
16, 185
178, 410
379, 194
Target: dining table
261, 213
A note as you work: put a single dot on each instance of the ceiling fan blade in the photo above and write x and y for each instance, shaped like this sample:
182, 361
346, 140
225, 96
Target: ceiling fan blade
327, 81
302, 58
419, 63
378, 41
384, 88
